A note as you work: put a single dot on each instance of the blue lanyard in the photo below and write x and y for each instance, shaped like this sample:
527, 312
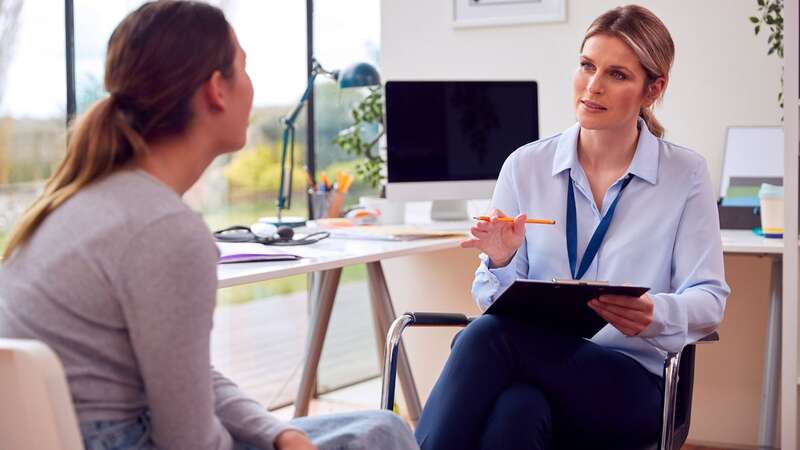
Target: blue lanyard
597, 237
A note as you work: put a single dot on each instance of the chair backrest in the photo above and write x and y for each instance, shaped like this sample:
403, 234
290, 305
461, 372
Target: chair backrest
36, 410
683, 407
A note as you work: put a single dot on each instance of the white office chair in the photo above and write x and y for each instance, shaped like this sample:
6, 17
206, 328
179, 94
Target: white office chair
36, 410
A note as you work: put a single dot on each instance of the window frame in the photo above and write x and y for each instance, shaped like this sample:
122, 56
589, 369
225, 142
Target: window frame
69, 30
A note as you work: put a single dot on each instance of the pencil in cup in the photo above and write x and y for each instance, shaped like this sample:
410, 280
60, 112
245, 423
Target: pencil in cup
511, 219
335, 202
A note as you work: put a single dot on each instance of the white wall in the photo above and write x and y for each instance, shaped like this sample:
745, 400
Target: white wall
721, 75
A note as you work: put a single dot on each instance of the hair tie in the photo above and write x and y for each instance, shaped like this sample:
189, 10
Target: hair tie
122, 102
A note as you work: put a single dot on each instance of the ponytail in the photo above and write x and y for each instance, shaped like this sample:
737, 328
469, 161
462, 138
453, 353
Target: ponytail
652, 123
101, 142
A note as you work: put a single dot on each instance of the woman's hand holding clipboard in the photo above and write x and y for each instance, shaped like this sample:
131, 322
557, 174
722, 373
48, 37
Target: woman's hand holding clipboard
629, 315
563, 305
499, 237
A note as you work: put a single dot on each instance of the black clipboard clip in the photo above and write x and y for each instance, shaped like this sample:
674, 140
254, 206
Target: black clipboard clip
579, 282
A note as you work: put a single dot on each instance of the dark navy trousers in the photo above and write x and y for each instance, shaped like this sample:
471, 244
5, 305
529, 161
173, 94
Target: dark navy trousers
511, 385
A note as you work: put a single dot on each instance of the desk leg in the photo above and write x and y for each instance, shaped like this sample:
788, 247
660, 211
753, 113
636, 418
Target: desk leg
768, 417
384, 313
323, 293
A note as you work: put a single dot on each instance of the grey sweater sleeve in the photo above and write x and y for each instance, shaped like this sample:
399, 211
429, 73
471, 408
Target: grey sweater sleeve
245, 418
168, 294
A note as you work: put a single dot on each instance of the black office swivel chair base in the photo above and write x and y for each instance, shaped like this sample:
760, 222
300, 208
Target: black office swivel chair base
678, 375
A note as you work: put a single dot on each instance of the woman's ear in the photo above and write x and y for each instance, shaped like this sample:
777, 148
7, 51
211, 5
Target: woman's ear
653, 91
214, 92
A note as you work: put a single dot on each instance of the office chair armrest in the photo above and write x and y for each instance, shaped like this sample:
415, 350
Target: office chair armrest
410, 319
713, 337
431, 319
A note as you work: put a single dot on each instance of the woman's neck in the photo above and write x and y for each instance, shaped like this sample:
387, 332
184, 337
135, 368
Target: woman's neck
176, 162
607, 150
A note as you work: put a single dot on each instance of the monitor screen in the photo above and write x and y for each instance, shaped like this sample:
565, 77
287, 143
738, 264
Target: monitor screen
456, 130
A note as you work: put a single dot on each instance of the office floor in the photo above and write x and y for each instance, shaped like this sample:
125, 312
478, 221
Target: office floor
259, 345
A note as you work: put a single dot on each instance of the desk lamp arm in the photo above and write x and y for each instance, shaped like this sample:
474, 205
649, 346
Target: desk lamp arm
285, 189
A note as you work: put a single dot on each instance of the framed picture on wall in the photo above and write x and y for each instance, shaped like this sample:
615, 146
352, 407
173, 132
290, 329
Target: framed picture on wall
483, 13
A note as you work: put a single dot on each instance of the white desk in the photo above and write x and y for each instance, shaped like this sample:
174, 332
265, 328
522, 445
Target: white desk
745, 242
326, 259
326, 255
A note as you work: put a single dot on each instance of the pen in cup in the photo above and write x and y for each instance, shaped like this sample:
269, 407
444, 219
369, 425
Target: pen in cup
324, 183
511, 219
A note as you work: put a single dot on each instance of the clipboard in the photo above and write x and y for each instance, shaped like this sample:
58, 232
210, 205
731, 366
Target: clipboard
559, 305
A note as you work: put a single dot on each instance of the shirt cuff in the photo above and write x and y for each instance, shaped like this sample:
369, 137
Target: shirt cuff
658, 324
505, 275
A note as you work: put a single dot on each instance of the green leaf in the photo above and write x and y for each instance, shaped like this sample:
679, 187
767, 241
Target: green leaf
760, 2
758, 28
754, 19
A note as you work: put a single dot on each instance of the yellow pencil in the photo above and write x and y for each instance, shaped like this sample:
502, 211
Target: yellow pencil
511, 219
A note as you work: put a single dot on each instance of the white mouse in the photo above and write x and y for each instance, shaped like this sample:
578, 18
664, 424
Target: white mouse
264, 230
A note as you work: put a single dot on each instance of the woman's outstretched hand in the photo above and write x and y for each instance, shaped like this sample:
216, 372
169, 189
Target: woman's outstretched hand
293, 440
630, 315
499, 240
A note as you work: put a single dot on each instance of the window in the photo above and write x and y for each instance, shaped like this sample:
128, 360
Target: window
263, 353
345, 32
32, 102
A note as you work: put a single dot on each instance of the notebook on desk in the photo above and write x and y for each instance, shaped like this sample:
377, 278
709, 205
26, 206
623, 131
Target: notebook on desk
238, 252
559, 305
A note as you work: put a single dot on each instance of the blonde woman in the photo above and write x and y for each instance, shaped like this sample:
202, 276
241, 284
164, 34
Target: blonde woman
630, 207
112, 270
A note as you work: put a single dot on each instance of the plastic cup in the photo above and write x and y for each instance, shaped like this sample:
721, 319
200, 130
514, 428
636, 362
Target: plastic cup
771, 199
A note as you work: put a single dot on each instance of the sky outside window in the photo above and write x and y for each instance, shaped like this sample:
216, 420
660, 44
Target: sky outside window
35, 86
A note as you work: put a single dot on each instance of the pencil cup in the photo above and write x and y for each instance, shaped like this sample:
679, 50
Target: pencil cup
319, 204
771, 199
326, 204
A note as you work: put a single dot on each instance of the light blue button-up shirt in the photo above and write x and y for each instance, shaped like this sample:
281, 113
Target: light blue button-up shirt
664, 235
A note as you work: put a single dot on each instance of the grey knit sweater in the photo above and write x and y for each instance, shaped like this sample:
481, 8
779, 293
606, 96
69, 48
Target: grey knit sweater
121, 282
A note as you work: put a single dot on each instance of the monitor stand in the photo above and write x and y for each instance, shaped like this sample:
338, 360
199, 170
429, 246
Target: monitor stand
449, 210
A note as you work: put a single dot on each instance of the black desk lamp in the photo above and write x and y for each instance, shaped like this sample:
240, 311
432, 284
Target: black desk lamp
356, 75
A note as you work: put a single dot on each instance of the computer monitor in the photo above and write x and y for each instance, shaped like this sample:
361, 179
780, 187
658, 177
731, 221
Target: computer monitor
447, 140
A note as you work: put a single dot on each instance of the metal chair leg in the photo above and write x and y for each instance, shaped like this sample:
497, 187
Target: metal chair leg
671, 367
390, 359
393, 345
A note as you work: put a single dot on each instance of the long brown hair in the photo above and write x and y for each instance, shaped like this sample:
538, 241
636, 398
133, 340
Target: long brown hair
649, 39
157, 58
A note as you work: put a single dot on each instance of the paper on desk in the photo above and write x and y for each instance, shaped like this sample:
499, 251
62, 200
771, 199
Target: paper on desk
392, 233
235, 252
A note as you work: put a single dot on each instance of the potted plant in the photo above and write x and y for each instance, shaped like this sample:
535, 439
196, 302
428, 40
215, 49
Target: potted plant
362, 139
770, 14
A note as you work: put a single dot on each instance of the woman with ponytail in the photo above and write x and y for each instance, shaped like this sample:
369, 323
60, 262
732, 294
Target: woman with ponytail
629, 207
112, 270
